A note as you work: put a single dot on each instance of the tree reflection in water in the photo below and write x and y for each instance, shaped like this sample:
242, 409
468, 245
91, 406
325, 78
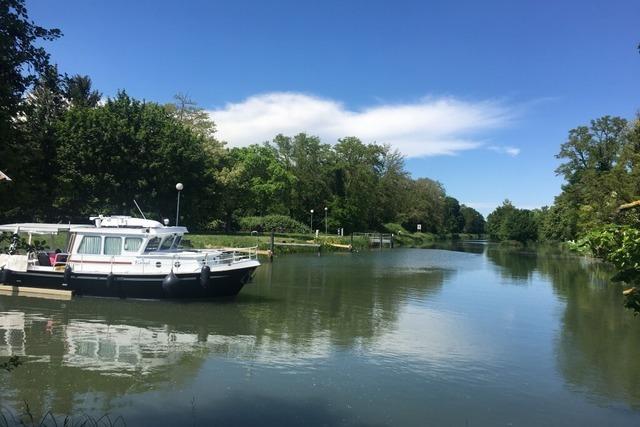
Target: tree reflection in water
597, 350
100, 349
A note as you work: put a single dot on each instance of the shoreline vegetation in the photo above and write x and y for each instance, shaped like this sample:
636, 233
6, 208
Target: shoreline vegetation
74, 153
326, 243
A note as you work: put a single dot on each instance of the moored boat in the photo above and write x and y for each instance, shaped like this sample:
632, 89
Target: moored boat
125, 257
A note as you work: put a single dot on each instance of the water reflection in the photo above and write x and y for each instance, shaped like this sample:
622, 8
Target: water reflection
294, 318
597, 349
516, 265
387, 337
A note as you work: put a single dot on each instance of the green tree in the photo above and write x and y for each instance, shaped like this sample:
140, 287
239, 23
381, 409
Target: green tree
21, 59
358, 171
79, 92
474, 222
125, 150
189, 114
426, 207
22, 62
453, 218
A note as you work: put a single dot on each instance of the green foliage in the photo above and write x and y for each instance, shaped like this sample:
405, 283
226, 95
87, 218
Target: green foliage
13, 244
394, 228
72, 156
278, 223
125, 150
79, 92
11, 364
453, 218
474, 222
507, 222
22, 60
619, 245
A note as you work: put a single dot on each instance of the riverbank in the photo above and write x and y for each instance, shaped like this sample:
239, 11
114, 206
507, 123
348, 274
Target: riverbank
296, 243
285, 243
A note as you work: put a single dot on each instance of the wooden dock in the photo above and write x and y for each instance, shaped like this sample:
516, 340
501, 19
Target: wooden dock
379, 240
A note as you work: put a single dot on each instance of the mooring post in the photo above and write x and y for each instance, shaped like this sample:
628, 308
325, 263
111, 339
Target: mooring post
273, 245
381, 241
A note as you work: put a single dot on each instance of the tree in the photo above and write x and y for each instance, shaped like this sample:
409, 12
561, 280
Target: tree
186, 111
21, 60
79, 92
125, 150
312, 164
453, 219
496, 218
474, 222
596, 147
357, 173
22, 63
426, 206
597, 167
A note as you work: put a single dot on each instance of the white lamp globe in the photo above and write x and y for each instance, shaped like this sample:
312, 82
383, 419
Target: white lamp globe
179, 186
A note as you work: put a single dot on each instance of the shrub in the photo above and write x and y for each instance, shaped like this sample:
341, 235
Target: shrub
278, 223
394, 228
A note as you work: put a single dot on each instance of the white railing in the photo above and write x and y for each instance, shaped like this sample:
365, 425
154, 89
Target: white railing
231, 255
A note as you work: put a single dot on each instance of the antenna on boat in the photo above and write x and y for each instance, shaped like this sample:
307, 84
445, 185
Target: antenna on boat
139, 210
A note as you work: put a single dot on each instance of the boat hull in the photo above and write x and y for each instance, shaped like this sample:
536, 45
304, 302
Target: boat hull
223, 283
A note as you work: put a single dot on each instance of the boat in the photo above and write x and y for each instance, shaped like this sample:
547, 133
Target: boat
125, 257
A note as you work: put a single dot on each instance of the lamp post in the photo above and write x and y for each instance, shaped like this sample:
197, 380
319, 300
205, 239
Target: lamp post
326, 228
179, 187
311, 224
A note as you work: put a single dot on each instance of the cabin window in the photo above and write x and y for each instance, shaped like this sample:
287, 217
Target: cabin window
153, 244
112, 245
176, 242
166, 243
90, 245
132, 244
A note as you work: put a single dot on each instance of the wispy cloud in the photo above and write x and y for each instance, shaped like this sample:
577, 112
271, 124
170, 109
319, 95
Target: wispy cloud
428, 127
504, 149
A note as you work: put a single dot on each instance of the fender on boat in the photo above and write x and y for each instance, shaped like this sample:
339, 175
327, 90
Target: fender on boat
111, 279
170, 283
204, 276
67, 276
5, 275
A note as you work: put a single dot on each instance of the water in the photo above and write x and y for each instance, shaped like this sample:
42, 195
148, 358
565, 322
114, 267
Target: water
473, 336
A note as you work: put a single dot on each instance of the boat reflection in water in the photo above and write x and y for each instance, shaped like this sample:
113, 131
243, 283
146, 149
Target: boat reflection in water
402, 337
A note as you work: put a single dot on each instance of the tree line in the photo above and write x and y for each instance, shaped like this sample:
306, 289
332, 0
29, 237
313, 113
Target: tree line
71, 154
601, 170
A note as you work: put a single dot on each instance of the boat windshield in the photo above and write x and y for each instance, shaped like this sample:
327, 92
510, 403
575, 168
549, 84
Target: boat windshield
166, 243
153, 244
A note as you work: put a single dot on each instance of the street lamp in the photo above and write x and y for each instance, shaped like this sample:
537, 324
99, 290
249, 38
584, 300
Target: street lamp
326, 228
311, 221
179, 187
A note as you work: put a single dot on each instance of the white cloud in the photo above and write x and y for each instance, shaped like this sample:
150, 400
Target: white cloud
512, 151
429, 127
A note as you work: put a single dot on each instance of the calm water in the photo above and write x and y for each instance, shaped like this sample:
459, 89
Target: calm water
475, 336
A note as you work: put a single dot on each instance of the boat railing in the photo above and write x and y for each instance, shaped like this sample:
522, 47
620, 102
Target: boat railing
231, 255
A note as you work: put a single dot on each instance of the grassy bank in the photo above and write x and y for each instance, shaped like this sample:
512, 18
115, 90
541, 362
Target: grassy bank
263, 241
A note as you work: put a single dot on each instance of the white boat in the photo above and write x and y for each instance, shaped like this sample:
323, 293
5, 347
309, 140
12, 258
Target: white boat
121, 256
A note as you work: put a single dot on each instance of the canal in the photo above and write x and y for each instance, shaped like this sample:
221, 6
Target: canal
470, 335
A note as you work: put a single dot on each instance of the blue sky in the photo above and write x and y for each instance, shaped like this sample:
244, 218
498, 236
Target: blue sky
478, 95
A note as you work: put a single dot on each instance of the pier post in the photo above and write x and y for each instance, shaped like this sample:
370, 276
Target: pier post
272, 245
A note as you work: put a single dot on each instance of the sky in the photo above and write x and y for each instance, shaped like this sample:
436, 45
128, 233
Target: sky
476, 95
